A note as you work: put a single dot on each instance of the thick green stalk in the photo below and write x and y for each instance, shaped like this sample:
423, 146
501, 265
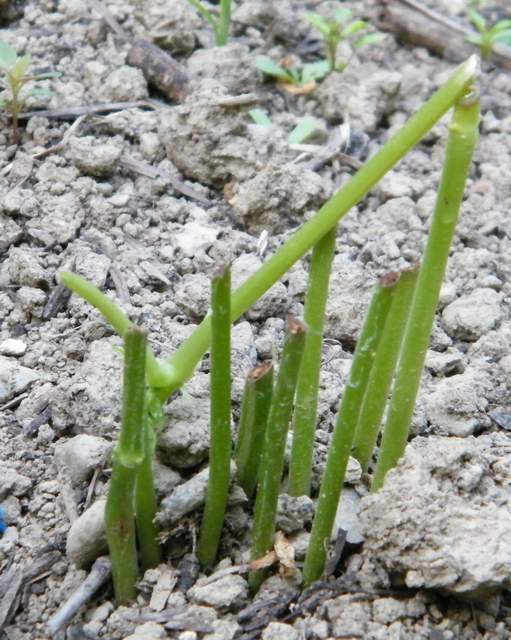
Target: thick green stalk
220, 448
222, 27
463, 134
272, 460
300, 468
384, 366
342, 437
119, 512
185, 359
254, 417
146, 506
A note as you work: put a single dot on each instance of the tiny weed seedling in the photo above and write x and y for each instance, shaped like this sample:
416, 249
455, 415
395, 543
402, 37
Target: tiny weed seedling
488, 36
339, 28
298, 80
267, 409
14, 69
219, 24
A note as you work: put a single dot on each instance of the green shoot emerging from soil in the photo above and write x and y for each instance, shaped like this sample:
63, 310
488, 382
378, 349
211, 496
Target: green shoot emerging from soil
488, 36
339, 28
14, 69
219, 24
302, 77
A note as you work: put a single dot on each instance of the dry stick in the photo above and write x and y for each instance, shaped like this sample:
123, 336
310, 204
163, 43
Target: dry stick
272, 459
119, 511
255, 408
463, 134
344, 430
300, 468
220, 403
384, 366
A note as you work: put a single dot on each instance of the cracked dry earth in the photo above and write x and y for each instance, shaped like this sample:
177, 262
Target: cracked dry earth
142, 200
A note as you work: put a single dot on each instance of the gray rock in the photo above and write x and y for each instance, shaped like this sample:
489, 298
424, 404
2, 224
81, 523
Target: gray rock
11, 233
31, 300
440, 521
172, 26
148, 631
24, 269
293, 513
13, 483
123, 84
232, 65
12, 347
227, 593
349, 615
92, 266
388, 610
59, 220
92, 158
223, 630
14, 379
184, 443
80, 455
165, 479
472, 315
278, 196
86, 539
347, 517
195, 237
192, 295
280, 631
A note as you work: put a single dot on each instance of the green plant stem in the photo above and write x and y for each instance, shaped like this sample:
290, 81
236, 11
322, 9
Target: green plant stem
222, 28
382, 372
146, 506
463, 134
220, 448
272, 460
204, 12
344, 430
119, 512
300, 468
185, 359
254, 417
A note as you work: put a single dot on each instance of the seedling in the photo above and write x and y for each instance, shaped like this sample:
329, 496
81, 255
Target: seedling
293, 79
14, 69
339, 28
220, 24
488, 36
165, 377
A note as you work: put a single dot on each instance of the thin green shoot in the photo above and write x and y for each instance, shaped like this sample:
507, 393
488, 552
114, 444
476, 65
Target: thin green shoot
220, 409
260, 117
119, 511
385, 361
487, 36
344, 431
305, 129
220, 24
339, 28
272, 460
14, 69
255, 408
302, 76
300, 468
463, 134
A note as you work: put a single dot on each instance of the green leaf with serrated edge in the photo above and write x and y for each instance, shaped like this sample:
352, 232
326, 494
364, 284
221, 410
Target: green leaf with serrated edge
8, 55
477, 20
354, 27
319, 22
21, 66
304, 130
259, 116
370, 38
271, 68
315, 71
342, 15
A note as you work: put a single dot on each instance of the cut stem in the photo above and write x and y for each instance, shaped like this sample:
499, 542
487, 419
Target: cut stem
254, 417
384, 366
220, 449
222, 27
307, 387
272, 460
342, 437
463, 133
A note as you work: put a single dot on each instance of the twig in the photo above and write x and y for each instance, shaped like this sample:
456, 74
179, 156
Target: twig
67, 113
99, 574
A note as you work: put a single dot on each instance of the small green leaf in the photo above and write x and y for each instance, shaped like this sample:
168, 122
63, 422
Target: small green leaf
342, 14
503, 25
271, 68
259, 116
40, 91
319, 22
305, 128
48, 75
354, 27
504, 37
477, 20
21, 66
8, 55
475, 38
315, 71
370, 38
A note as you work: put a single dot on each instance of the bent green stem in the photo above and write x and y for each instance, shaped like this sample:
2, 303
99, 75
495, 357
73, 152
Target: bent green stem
463, 134
344, 430
300, 467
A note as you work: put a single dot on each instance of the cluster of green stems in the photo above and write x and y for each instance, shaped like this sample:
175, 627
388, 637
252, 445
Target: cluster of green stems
389, 355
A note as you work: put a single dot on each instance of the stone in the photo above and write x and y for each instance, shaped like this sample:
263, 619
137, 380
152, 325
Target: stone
12, 347
349, 615
24, 268
14, 378
123, 84
226, 593
280, 631
11, 233
347, 517
148, 631
79, 456
293, 513
13, 483
441, 518
232, 65
195, 237
86, 539
474, 314
93, 159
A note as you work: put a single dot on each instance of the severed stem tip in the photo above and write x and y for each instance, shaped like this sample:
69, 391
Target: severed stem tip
260, 370
295, 326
